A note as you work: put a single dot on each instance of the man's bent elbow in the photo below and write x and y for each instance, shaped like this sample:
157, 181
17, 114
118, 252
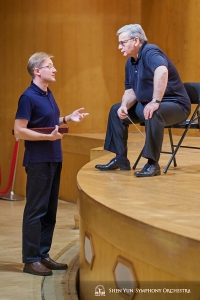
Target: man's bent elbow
18, 133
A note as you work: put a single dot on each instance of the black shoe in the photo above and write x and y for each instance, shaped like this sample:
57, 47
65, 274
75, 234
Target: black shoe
114, 164
148, 171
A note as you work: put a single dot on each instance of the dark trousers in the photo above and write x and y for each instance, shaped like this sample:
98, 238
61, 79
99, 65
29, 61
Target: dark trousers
42, 189
168, 113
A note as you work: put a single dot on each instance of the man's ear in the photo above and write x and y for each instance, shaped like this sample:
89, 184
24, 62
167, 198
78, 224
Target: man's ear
36, 72
137, 42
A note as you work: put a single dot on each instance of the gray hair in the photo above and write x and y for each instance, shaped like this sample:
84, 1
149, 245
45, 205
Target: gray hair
134, 30
35, 61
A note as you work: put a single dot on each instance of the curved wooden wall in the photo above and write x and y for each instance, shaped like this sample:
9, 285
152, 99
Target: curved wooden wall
173, 25
82, 37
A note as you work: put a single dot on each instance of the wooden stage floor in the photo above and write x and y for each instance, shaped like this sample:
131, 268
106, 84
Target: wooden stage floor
16, 285
154, 223
170, 201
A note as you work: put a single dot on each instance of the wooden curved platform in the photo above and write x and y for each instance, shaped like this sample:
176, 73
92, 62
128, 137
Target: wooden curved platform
152, 224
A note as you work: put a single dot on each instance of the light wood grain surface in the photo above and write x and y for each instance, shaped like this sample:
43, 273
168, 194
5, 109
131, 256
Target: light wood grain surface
152, 222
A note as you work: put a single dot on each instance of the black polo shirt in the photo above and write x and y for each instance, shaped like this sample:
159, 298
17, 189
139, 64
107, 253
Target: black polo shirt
139, 76
41, 110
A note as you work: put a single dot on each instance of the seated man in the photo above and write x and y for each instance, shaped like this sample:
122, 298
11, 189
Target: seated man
154, 94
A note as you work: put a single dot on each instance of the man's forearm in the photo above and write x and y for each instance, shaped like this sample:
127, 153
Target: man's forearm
128, 99
160, 82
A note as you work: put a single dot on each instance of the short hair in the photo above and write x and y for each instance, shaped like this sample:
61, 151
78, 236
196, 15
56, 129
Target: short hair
134, 30
36, 60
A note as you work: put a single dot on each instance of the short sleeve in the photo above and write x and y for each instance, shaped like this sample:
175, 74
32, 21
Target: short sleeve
24, 108
154, 58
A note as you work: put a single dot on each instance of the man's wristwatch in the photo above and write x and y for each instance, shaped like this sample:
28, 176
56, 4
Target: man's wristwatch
154, 100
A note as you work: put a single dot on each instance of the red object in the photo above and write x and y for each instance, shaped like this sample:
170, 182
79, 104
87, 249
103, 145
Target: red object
12, 168
48, 130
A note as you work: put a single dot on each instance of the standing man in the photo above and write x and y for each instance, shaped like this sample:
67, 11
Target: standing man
154, 94
43, 162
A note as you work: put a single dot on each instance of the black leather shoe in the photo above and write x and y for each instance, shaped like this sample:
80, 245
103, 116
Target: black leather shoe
36, 268
53, 265
114, 164
148, 171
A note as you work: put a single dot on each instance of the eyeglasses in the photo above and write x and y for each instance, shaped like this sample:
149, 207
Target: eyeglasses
122, 43
49, 67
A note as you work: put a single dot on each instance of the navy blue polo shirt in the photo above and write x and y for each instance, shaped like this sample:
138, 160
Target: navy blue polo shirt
40, 109
139, 76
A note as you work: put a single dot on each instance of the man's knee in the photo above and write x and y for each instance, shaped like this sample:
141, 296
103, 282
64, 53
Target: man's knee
158, 118
115, 108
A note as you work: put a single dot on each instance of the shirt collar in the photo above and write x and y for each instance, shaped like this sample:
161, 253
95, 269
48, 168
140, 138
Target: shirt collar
139, 55
39, 90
